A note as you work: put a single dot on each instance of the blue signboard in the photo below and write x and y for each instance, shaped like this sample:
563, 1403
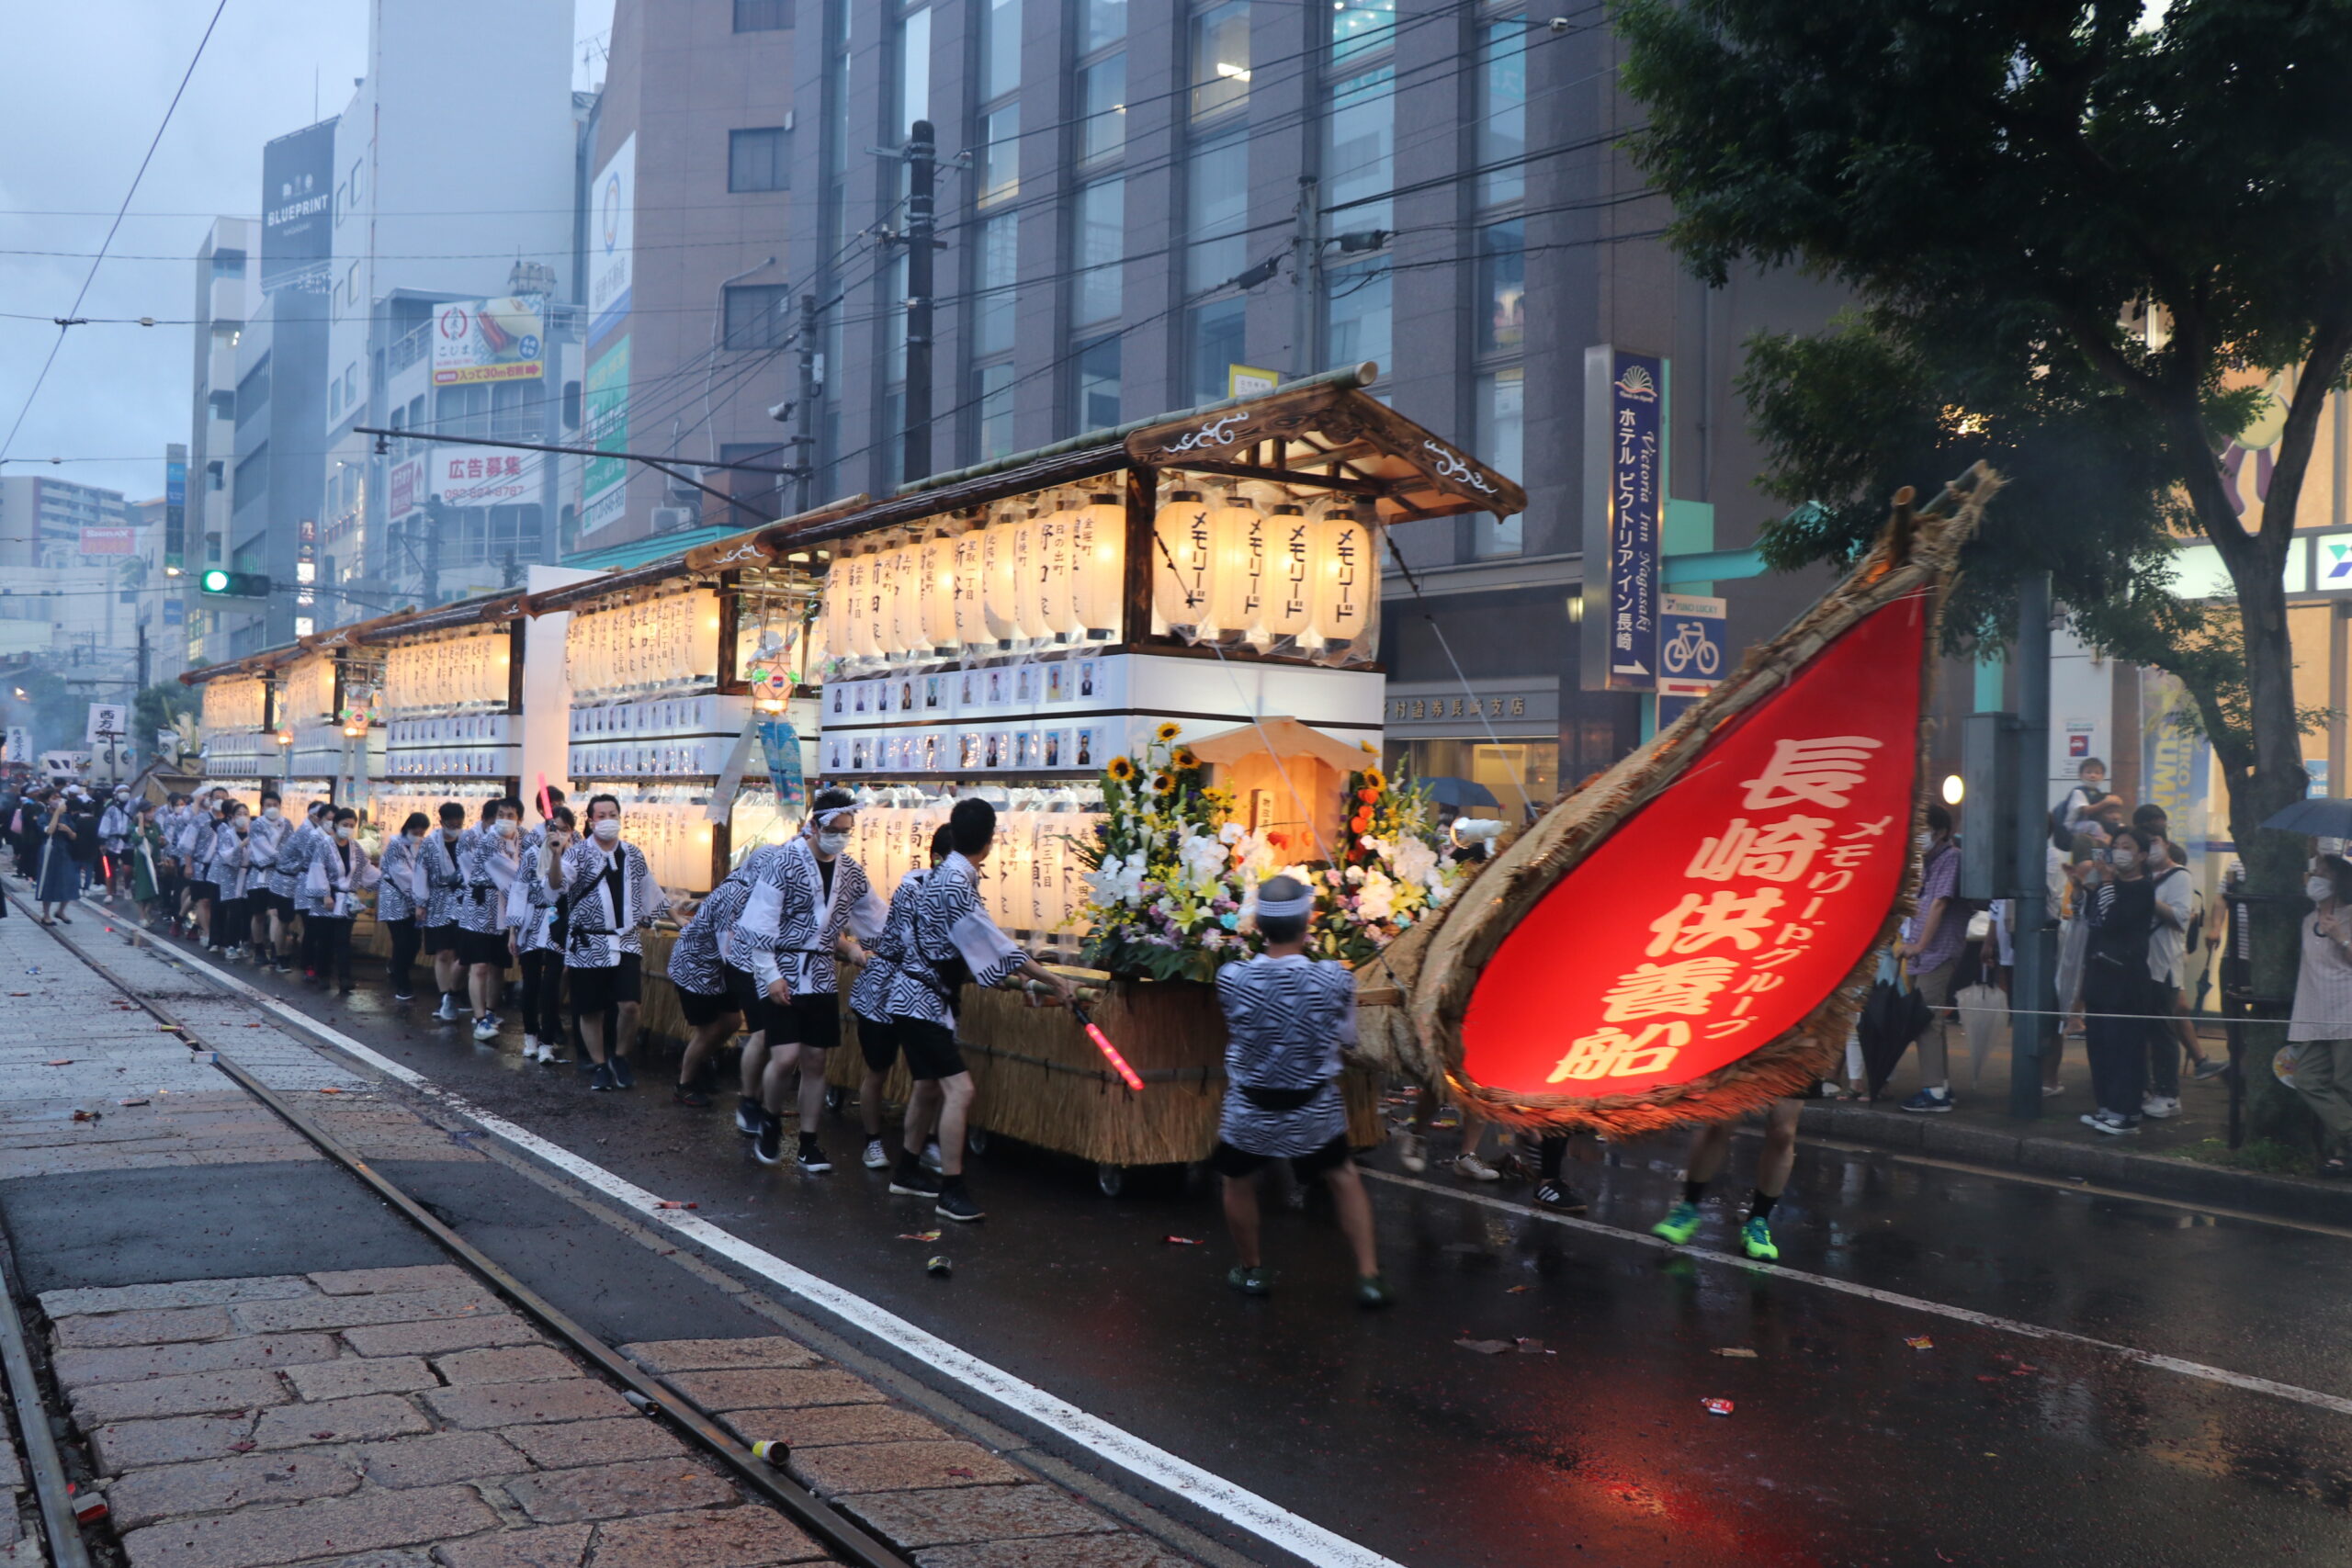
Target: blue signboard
1692, 651
175, 506
1636, 515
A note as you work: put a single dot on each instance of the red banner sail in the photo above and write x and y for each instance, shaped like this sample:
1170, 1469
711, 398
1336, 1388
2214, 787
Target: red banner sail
1721, 913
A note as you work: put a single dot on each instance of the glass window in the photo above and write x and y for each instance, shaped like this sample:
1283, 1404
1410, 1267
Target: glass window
228, 264
1219, 210
1502, 112
995, 395
894, 320
1221, 60
251, 478
756, 315
1100, 24
1503, 288
514, 413
1101, 236
1098, 384
461, 411
1501, 420
1103, 90
762, 16
1355, 314
914, 68
994, 288
999, 47
1361, 27
1216, 334
759, 159
1001, 156
1360, 136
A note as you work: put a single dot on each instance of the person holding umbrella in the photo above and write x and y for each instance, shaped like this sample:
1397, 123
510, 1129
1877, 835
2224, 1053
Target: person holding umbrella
59, 881
2321, 1026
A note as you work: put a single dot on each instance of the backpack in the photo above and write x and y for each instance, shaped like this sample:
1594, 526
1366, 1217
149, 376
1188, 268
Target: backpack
2062, 830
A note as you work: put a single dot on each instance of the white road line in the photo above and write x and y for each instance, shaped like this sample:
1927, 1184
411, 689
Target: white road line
1269, 1521
2312, 1397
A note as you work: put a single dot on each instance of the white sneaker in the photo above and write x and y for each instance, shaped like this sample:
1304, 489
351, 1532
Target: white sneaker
486, 1027
931, 1155
1471, 1168
530, 1047
2159, 1106
448, 1012
1414, 1156
876, 1157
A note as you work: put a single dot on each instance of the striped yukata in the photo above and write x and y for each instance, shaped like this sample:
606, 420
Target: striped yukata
1286, 1022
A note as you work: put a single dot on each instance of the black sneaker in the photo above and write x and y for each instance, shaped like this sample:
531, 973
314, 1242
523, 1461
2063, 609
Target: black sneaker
811, 1158
601, 1080
911, 1181
955, 1203
748, 1117
624, 1076
695, 1098
1559, 1195
769, 1144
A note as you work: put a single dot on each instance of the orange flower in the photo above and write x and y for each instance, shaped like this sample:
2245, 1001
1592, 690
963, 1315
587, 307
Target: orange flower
1363, 823
1368, 796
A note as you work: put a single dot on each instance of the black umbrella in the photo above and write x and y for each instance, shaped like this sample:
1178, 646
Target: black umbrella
1457, 794
2324, 816
1892, 1017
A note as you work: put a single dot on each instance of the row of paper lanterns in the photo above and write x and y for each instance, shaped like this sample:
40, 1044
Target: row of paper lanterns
1223, 570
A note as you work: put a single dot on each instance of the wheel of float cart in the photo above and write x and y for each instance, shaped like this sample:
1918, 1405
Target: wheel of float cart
976, 1140
1111, 1178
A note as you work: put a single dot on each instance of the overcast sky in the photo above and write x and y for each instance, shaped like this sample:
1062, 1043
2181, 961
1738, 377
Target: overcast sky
83, 84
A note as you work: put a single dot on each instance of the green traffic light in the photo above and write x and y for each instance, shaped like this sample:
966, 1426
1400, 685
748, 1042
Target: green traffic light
215, 580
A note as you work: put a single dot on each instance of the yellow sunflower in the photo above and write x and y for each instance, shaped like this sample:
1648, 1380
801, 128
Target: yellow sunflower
1167, 730
1184, 758
1121, 771
1374, 780
1163, 784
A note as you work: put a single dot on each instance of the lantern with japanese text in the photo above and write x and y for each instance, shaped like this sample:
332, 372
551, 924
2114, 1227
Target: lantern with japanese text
1237, 543
1028, 568
1000, 590
1750, 864
1180, 564
1099, 567
1289, 590
865, 628
936, 595
971, 584
1051, 613
1346, 585
837, 610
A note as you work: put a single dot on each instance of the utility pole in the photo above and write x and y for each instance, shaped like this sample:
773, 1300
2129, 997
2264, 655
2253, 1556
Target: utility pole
1302, 261
433, 510
804, 442
923, 154
142, 655
2033, 1017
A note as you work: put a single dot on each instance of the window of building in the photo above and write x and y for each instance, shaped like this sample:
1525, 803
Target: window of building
1503, 288
1215, 335
913, 68
1102, 96
1100, 23
1361, 27
1359, 141
763, 16
1220, 60
994, 285
515, 411
252, 482
1099, 233
1000, 154
1097, 393
993, 391
212, 475
999, 47
223, 404
1501, 421
1356, 313
759, 498
253, 390
759, 159
756, 315
228, 264
1502, 111
1218, 211
462, 411
572, 405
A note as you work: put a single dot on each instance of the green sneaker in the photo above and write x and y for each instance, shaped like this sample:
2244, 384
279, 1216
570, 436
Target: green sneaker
1680, 1225
1249, 1281
1756, 1236
1373, 1292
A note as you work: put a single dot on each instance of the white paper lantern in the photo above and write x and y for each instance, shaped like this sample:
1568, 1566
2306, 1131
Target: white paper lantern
1179, 567
1052, 602
1028, 568
865, 641
1099, 566
971, 583
1001, 600
1236, 530
935, 593
1345, 578
1289, 609
905, 580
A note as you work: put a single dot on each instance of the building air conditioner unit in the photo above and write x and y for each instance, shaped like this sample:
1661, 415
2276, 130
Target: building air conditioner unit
670, 519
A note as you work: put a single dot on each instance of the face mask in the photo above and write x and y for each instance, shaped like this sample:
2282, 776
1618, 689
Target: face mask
833, 843
507, 829
2126, 859
608, 829
271, 813
2318, 888
414, 838
343, 834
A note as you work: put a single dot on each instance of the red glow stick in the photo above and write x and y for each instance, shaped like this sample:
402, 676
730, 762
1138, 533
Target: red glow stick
545, 811
1110, 1051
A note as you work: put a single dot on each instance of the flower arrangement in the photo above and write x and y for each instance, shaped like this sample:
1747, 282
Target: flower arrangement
1173, 877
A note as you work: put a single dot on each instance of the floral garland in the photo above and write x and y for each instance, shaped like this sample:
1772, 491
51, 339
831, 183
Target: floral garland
1174, 878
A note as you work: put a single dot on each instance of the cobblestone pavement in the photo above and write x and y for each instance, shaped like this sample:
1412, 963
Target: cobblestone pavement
405, 1416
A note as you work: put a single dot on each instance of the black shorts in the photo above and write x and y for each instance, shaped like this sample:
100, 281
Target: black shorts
261, 901
439, 939
1227, 1160
813, 1020
879, 1044
705, 1007
594, 990
198, 892
482, 947
931, 1049
743, 989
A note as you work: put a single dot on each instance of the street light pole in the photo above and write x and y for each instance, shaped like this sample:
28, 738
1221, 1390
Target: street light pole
921, 163
2033, 1005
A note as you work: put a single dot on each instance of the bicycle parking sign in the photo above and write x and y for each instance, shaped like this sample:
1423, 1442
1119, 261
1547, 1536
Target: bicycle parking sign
1692, 651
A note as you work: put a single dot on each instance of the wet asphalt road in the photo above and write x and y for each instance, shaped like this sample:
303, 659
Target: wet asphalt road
1846, 1444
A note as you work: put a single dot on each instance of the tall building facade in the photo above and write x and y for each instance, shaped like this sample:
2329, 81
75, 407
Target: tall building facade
225, 298
1147, 204
74, 559
690, 303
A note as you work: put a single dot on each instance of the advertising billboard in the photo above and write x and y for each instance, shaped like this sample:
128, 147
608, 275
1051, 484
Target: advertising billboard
612, 240
110, 541
1624, 516
480, 476
603, 482
175, 505
490, 340
405, 487
297, 207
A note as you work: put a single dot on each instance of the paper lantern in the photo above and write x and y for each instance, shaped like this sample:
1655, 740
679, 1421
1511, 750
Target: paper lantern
935, 592
1001, 601
972, 580
1028, 565
1179, 567
904, 576
1049, 611
1345, 578
1099, 566
865, 604
1289, 609
1236, 534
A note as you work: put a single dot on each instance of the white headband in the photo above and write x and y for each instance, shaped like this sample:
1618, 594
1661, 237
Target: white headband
1280, 909
825, 818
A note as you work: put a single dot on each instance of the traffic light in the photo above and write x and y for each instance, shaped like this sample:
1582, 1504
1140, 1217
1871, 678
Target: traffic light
219, 583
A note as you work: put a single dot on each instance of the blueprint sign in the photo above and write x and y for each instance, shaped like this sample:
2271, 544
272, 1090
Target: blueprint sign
1636, 514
